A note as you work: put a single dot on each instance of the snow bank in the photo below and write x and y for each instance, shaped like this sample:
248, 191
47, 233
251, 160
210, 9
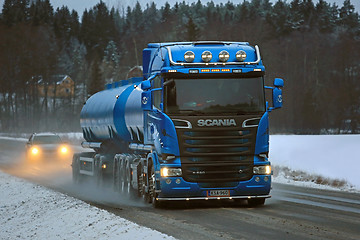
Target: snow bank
330, 156
29, 211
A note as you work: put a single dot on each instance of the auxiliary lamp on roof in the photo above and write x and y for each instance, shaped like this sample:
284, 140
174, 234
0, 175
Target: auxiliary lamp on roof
241, 55
189, 56
224, 56
206, 56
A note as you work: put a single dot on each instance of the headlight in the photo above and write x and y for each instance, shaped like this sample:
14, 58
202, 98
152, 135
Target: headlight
241, 55
206, 56
224, 56
63, 150
262, 170
189, 56
170, 172
34, 150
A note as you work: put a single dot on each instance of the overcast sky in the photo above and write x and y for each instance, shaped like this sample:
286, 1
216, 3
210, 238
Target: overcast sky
80, 5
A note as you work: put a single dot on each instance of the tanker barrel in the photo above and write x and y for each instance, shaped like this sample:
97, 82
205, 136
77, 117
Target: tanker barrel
140, 147
91, 144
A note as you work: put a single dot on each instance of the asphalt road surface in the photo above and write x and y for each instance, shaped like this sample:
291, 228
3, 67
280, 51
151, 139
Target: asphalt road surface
292, 212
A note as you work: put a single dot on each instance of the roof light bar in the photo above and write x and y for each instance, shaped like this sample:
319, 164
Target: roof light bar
257, 52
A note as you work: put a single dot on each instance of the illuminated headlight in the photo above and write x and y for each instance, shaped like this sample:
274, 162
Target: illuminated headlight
262, 170
170, 172
206, 56
34, 151
224, 56
189, 56
63, 150
241, 55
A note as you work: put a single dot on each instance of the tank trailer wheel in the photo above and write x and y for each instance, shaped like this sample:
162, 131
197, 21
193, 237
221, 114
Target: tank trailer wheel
76, 169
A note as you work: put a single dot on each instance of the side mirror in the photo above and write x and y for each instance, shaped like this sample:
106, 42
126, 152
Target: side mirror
279, 83
146, 99
276, 94
145, 85
277, 98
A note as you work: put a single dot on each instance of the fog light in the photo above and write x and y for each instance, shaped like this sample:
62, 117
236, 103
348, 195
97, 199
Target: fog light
257, 179
206, 56
266, 178
168, 181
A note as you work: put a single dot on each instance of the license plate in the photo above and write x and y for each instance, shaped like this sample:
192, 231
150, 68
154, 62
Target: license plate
218, 193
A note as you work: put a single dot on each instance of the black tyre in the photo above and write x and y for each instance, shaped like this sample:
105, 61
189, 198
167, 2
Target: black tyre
76, 177
116, 176
152, 191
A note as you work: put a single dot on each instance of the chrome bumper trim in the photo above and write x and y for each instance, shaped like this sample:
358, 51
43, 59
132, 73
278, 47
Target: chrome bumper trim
213, 198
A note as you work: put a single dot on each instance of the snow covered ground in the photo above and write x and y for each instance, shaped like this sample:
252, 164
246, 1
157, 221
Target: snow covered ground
29, 211
325, 159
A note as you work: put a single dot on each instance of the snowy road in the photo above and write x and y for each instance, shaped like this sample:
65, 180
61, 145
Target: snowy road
292, 213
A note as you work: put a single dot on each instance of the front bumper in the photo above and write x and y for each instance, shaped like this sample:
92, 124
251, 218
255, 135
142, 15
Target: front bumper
179, 189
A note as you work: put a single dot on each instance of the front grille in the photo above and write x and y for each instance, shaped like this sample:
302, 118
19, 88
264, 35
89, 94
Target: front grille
212, 170
217, 154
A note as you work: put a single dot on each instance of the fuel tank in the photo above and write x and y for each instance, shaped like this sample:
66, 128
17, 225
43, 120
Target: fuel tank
114, 113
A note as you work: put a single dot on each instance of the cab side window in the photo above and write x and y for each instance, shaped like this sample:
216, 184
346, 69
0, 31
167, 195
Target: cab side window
157, 93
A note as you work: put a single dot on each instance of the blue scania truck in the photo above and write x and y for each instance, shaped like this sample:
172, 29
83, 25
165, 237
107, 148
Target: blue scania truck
194, 127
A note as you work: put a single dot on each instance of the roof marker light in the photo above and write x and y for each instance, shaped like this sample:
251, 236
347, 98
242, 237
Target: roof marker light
189, 56
206, 56
224, 56
241, 55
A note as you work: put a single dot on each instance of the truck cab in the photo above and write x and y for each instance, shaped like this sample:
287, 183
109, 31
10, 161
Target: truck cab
206, 116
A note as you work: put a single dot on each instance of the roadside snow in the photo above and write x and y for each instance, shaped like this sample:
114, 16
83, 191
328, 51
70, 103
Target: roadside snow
321, 159
29, 211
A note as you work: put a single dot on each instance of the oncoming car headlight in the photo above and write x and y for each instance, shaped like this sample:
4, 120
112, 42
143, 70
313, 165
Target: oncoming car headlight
34, 151
63, 150
262, 170
170, 172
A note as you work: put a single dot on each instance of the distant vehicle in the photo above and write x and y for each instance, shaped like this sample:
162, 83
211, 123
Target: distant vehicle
46, 146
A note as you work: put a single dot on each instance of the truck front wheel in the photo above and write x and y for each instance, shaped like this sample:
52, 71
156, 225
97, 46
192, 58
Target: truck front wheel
156, 203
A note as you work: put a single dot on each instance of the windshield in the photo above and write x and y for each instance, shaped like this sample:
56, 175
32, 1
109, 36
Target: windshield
228, 95
47, 139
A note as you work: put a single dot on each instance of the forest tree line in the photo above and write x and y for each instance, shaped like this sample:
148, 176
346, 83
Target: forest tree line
314, 46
